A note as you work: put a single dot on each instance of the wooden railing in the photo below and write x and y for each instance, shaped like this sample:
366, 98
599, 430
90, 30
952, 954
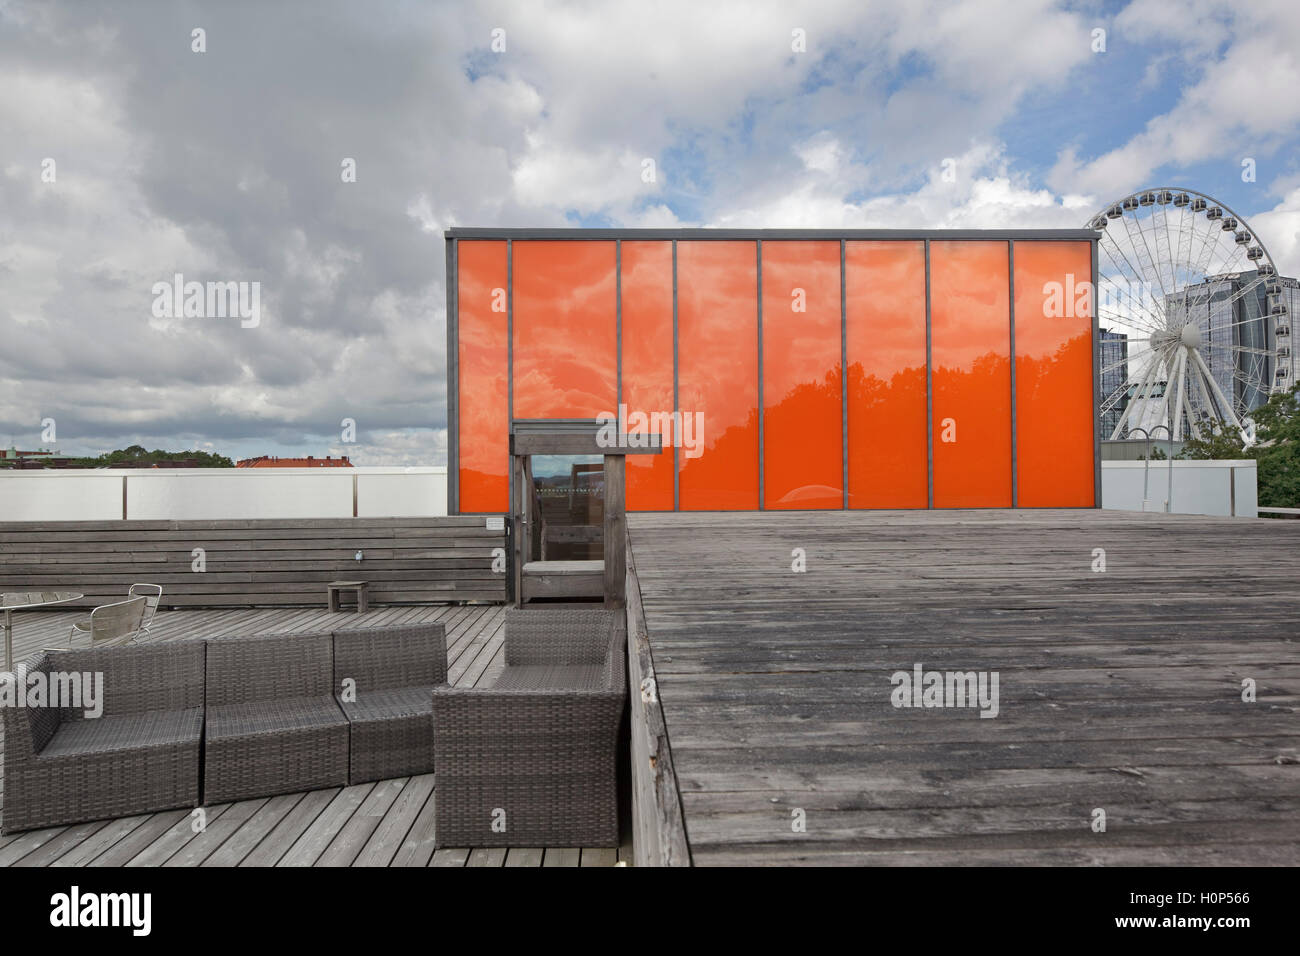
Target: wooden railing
658, 826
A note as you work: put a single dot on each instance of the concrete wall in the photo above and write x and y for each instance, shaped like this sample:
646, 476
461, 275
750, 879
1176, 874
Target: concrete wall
1227, 488
193, 494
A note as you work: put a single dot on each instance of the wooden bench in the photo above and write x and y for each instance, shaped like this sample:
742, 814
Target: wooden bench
334, 588
264, 562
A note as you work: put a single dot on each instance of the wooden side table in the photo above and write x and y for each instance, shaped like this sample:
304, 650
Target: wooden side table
334, 588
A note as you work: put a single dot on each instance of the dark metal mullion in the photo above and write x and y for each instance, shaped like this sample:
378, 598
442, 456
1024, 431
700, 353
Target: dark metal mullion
677, 408
510, 352
618, 322
751, 235
759, 261
844, 380
1096, 382
929, 388
1011, 307
453, 382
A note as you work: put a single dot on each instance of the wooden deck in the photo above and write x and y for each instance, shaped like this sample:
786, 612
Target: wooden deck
389, 823
1119, 691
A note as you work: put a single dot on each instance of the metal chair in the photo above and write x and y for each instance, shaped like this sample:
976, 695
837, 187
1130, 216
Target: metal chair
152, 594
111, 624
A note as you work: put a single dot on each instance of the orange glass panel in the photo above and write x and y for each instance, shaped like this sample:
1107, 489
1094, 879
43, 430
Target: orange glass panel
483, 461
717, 374
970, 346
884, 291
565, 329
1054, 406
802, 406
647, 287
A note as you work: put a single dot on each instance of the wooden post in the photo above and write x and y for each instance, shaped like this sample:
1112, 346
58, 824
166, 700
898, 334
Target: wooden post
615, 533
518, 548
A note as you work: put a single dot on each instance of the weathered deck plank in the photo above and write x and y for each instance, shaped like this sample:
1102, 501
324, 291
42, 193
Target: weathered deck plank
1119, 689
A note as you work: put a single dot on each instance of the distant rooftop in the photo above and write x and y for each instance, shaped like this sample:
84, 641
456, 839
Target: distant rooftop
270, 461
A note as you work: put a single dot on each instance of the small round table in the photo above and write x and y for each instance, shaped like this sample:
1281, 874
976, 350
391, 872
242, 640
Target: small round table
18, 600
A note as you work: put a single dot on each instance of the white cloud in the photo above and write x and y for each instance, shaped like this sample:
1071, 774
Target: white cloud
1243, 102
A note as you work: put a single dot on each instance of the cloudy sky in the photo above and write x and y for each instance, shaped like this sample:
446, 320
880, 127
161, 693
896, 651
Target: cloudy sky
227, 165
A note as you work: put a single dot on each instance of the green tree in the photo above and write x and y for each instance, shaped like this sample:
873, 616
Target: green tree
137, 454
1276, 448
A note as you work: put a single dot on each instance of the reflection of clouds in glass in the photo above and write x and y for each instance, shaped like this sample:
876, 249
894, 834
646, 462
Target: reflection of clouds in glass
1055, 417
717, 332
970, 332
802, 434
565, 328
885, 336
483, 403
647, 308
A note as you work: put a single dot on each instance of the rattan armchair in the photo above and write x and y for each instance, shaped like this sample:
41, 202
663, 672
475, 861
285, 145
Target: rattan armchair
273, 725
139, 755
384, 678
532, 761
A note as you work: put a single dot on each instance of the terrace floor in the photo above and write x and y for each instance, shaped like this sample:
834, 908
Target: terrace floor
1119, 690
389, 823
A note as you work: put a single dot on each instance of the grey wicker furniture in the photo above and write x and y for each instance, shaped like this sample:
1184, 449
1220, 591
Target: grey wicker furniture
273, 725
531, 761
384, 679
141, 754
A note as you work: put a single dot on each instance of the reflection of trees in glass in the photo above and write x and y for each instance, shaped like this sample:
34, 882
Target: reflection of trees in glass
714, 481
1035, 375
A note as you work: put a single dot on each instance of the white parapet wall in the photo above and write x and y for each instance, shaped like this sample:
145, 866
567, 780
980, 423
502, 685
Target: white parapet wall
195, 494
1228, 488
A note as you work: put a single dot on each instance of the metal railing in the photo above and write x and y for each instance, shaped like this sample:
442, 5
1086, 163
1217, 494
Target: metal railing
1146, 469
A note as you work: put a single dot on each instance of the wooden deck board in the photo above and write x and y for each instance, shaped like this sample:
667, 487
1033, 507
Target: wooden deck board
1118, 690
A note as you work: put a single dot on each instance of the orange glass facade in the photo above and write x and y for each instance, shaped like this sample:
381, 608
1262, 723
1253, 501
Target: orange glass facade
483, 376
717, 375
885, 332
803, 459
921, 369
970, 355
565, 364
647, 312
1054, 406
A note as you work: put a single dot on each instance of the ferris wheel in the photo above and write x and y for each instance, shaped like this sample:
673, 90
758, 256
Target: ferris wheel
1192, 312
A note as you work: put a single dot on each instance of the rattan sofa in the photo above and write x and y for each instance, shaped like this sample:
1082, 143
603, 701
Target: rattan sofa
140, 755
384, 679
532, 760
273, 724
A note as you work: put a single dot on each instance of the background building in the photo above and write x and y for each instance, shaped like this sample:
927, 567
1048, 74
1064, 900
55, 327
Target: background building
1114, 373
1234, 310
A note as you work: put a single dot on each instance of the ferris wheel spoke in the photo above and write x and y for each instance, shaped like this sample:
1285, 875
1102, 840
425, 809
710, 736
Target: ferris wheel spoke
1227, 407
1143, 249
1156, 322
1181, 377
1160, 235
